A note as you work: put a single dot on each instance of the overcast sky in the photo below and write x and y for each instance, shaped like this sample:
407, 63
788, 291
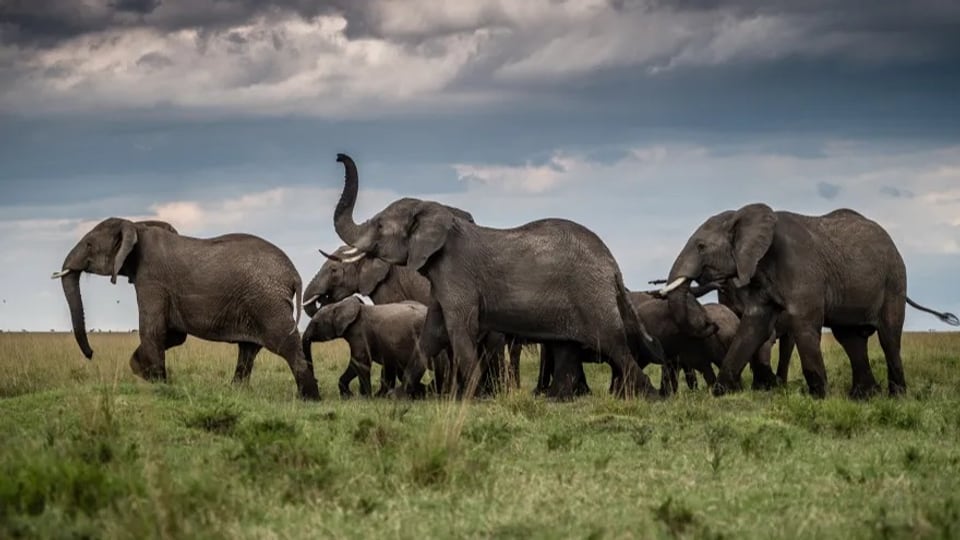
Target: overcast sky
638, 119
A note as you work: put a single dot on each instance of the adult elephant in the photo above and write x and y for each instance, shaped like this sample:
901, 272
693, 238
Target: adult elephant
549, 280
796, 273
235, 288
344, 274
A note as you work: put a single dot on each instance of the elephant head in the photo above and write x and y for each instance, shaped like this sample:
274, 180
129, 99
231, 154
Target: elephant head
339, 277
725, 250
333, 320
105, 250
407, 232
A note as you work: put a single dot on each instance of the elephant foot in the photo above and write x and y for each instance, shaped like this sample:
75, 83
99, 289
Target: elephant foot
764, 379
864, 391
897, 390
309, 391
691, 380
726, 384
816, 384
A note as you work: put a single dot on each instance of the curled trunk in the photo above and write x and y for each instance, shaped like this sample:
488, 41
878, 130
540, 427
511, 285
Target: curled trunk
343, 222
71, 289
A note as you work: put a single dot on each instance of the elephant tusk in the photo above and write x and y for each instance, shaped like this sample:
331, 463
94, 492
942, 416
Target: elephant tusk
351, 251
673, 285
330, 256
311, 300
355, 258
60, 274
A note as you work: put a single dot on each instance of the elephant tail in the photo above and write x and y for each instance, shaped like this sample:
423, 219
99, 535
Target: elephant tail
948, 318
645, 348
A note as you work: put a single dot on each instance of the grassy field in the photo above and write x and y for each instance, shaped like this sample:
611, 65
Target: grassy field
89, 451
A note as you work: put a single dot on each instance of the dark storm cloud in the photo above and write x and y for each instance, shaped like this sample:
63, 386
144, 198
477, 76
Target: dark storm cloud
47, 22
827, 190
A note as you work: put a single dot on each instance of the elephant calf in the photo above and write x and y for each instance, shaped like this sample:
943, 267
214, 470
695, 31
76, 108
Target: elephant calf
235, 288
387, 334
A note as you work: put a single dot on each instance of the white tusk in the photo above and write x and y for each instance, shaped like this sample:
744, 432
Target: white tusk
60, 274
355, 258
673, 285
350, 251
364, 299
311, 300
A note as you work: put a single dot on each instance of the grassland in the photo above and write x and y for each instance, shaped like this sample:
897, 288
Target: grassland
88, 450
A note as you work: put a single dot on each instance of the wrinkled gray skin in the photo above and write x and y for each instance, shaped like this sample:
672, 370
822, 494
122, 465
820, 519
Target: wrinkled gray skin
795, 273
549, 280
761, 378
386, 334
235, 288
386, 283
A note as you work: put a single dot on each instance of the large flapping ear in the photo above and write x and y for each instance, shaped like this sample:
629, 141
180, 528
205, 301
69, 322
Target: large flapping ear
345, 314
128, 239
372, 272
753, 227
459, 213
428, 232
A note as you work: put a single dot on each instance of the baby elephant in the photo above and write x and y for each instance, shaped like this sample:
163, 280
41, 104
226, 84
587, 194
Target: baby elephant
387, 334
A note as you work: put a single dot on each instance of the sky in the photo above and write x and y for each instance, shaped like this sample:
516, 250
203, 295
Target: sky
638, 119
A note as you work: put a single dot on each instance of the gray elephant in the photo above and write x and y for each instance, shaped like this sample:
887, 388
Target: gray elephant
690, 354
345, 274
235, 288
385, 334
796, 273
550, 280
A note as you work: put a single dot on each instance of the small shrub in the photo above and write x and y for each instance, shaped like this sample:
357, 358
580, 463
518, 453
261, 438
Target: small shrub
220, 419
563, 440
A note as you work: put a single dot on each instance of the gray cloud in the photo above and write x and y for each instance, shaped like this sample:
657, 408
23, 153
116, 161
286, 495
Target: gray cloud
827, 190
895, 192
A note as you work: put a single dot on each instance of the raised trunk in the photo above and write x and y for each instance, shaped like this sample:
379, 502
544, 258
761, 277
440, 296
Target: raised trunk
347, 229
71, 289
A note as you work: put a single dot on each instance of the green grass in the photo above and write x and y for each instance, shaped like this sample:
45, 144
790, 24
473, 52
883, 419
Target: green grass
87, 450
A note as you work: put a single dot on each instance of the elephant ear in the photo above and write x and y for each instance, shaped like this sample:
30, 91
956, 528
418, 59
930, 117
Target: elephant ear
428, 233
345, 315
753, 228
128, 239
372, 273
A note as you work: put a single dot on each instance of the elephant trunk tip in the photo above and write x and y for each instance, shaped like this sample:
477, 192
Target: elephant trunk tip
950, 319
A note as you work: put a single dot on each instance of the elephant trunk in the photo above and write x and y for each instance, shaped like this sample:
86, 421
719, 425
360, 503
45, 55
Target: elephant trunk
71, 289
687, 312
343, 222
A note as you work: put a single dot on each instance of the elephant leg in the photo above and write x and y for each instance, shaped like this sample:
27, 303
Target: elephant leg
347, 377
811, 360
890, 331
668, 376
246, 354
363, 366
690, 377
567, 370
763, 377
754, 330
786, 353
432, 344
290, 348
634, 381
546, 368
388, 377
854, 343
149, 359
462, 330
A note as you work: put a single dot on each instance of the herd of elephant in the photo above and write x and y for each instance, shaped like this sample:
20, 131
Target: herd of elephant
449, 295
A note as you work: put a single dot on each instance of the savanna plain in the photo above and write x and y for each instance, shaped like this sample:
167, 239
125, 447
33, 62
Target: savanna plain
87, 450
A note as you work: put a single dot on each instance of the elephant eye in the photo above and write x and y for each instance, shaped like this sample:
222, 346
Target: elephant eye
701, 246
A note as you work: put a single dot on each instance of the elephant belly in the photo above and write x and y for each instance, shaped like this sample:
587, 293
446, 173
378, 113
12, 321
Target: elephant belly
215, 319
